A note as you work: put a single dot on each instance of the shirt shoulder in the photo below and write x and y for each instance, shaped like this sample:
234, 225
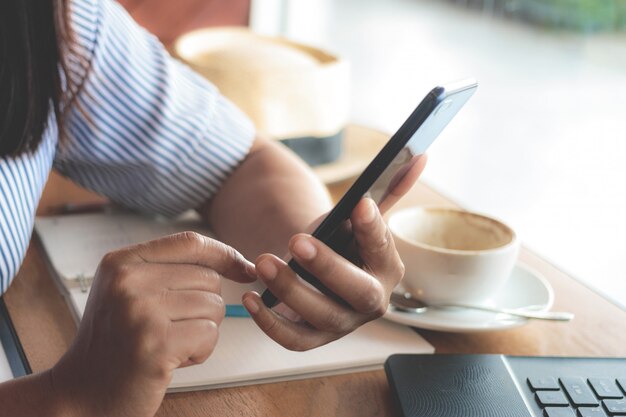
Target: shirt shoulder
144, 129
85, 22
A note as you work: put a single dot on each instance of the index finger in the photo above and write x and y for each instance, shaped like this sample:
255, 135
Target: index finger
196, 249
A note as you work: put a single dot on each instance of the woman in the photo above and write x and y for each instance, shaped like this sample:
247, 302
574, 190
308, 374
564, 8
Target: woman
86, 91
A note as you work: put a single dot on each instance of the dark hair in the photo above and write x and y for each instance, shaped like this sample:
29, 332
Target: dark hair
33, 35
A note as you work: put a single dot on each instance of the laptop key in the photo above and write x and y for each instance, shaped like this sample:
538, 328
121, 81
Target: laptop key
622, 384
578, 391
591, 412
558, 412
615, 407
605, 387
543, 383
551, 398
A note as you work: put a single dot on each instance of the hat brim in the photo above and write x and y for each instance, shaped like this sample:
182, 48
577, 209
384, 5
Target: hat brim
360, 145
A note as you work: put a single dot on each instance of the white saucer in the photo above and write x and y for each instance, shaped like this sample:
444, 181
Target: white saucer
525, 288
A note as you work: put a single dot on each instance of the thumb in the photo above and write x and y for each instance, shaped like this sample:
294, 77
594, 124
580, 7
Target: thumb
403, 184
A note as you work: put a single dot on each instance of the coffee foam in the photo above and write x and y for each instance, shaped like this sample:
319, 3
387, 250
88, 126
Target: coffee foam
449, 229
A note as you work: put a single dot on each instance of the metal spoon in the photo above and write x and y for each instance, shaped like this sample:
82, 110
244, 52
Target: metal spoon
404, 302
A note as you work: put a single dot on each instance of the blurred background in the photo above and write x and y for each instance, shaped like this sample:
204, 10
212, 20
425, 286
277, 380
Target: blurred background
541, 145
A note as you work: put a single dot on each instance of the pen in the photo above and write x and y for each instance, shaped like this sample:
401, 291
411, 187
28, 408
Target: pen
236, 310
80, 208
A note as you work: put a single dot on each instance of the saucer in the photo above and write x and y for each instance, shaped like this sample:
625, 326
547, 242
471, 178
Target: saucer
525, 288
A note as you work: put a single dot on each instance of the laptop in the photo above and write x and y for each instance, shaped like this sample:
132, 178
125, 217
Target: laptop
506, 386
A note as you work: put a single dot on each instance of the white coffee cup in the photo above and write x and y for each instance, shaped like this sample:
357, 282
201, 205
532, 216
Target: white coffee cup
453, 256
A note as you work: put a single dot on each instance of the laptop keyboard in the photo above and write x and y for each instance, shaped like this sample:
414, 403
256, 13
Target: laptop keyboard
575, 396
507, 386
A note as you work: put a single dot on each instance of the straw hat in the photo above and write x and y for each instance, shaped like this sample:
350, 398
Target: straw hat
294, 93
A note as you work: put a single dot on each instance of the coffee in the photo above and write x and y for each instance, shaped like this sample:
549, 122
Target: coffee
451, 229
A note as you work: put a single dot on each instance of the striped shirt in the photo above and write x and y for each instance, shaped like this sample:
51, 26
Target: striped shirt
145, 131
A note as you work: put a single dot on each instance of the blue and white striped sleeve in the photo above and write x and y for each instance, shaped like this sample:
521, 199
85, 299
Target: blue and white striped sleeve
144, 130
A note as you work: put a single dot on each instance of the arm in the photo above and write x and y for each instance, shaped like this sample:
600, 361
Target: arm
270, 197
32, 395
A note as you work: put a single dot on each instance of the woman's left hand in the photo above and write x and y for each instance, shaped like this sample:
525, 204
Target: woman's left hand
365, 290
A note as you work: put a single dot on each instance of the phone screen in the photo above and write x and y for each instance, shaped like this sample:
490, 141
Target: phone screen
387, 170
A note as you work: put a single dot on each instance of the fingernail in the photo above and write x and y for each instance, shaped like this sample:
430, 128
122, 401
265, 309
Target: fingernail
267, 269
251, 305
251, 271
304, 249
370, 213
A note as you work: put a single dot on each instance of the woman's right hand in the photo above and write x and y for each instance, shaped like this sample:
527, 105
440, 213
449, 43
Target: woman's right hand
153, 307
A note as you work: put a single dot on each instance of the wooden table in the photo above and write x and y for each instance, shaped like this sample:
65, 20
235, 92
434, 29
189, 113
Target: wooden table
46, 329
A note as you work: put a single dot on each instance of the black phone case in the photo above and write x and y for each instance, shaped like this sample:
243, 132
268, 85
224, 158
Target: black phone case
329, 231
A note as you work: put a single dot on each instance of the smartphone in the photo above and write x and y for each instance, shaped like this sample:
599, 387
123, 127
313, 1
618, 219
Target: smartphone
386, 170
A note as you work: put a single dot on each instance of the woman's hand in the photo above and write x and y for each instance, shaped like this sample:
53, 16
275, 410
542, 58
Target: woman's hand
153, 308
365, 288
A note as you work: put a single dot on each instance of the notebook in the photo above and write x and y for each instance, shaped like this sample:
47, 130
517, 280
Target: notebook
244, 355
5, 368
13, 361
506, 386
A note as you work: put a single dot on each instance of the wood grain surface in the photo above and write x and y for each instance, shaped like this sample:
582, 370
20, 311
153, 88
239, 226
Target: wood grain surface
46, 329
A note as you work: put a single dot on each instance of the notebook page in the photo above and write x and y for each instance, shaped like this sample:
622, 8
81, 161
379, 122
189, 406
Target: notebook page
5, 369
94, 235
245, 355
